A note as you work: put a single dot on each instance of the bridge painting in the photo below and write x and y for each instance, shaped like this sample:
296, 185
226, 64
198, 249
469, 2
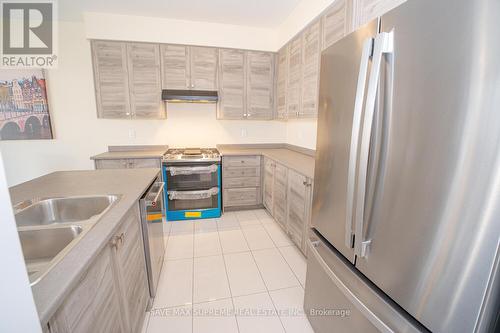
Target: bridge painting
24, 111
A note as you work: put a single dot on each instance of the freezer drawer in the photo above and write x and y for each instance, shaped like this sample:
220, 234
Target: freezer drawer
339, 299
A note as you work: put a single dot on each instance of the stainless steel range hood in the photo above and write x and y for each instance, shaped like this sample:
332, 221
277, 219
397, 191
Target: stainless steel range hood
189, 96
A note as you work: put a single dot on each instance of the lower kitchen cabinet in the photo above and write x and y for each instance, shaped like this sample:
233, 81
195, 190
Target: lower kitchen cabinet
128, 163
280, 194
299, 207
130, 267
112, 294
94, 304
287, 195
268, 184
241, 181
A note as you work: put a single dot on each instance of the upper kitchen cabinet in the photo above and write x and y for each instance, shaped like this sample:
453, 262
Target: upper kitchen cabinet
144, 80
311, 45
203, 68
189, 67
260, 85
294, 81
175, 66
127, 80
111, 79
334, 22
367, 10
232, 103
246, 85
281, 83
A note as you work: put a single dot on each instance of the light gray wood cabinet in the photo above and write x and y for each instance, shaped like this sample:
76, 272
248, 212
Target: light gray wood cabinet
188, 67
334, 22
128, 163
232, 84
127, 80
260, 85
111, 79
130, 266
287, 195
246, 85
94, 304
203, 68
280, 194
241, 197
367, 10
175, 64
294, 81
281, 83
268, 184
298, 201
145, 81
241, 181
311, 43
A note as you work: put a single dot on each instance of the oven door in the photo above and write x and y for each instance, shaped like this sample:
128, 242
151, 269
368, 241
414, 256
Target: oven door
192, 190
192, 176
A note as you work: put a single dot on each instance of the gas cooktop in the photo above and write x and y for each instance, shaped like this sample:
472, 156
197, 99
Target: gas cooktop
191, 155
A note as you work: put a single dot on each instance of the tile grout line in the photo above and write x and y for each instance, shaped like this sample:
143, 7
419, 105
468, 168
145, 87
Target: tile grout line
267, 289
229, 284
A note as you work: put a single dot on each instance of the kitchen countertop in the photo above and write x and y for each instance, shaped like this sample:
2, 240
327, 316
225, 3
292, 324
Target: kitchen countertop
130, 184
302, 163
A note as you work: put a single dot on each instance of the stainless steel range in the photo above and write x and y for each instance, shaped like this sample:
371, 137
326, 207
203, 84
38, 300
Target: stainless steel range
192, 183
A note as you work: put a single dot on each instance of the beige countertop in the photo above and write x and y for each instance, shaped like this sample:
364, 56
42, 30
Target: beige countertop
129, 184
302, 163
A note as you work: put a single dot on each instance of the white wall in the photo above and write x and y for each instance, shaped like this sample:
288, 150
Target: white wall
163, 30
301, 132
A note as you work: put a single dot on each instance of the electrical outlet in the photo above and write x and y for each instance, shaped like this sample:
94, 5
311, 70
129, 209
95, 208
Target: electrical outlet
244, 132
131, 133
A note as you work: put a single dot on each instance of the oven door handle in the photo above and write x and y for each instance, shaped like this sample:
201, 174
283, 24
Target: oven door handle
192, 195
192, 170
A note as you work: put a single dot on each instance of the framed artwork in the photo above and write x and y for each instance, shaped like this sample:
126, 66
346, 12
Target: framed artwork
24, 108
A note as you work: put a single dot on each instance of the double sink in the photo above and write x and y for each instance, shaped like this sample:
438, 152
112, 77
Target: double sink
48, 228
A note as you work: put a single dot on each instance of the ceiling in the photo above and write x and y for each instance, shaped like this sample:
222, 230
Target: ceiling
253, 13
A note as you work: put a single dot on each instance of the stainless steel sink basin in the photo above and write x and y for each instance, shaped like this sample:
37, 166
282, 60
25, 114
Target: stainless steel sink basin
61, 210
49, 228
42, 247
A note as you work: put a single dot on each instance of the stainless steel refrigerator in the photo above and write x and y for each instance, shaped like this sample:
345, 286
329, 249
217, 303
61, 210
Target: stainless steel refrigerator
406, 208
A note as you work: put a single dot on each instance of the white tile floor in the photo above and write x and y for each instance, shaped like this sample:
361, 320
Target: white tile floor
238, 273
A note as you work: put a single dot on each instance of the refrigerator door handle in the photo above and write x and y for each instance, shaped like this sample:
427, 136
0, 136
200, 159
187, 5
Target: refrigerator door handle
353, 151
348, 293
383, 45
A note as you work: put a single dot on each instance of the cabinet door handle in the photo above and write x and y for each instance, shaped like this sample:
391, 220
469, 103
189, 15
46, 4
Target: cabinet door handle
114, 242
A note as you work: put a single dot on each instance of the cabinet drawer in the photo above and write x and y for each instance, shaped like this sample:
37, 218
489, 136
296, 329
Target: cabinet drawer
144, 163
241, 196
128, 163
232, 161
241, 182
241, 172
111, 164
